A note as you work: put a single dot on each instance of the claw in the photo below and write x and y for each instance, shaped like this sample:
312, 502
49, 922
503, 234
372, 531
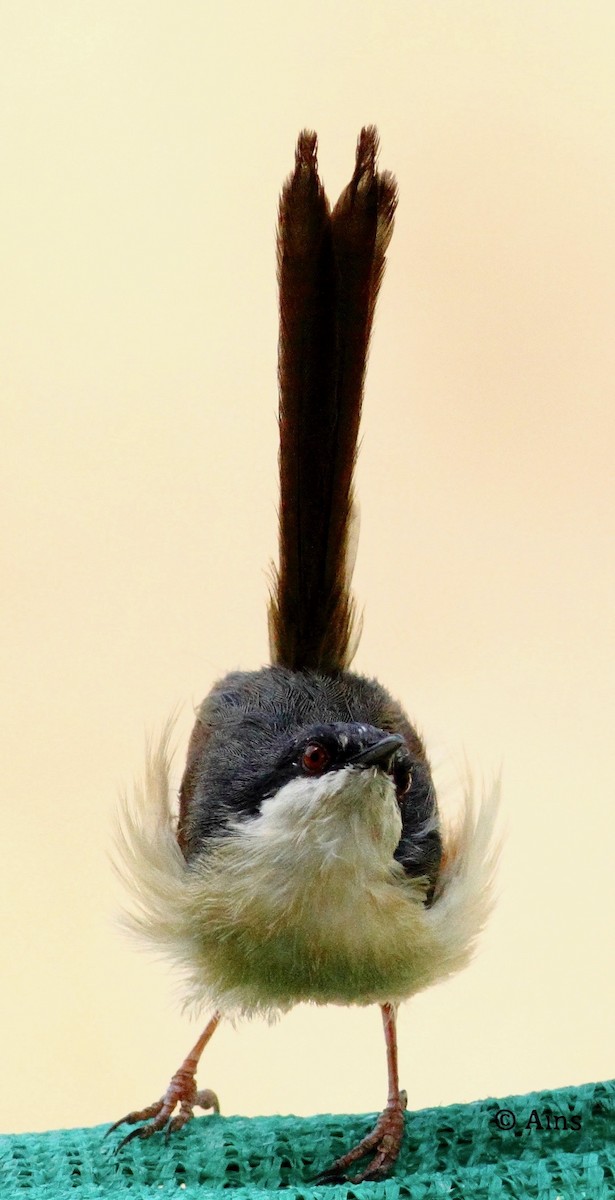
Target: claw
143, 1132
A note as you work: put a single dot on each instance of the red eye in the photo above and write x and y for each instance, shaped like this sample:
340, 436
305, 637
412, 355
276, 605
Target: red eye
315, 758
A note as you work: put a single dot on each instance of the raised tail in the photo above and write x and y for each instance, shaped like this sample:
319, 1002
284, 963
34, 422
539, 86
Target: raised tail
330, 266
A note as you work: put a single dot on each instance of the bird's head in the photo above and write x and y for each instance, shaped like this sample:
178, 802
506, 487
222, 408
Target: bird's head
328, 790
328, 753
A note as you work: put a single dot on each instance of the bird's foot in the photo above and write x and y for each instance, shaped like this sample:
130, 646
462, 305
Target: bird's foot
385, 1139
181, 1091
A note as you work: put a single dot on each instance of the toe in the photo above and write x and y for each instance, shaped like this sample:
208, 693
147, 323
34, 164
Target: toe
207, 1099
142, 1114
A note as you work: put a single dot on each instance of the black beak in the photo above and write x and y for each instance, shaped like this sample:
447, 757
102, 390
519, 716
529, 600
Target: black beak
379, 755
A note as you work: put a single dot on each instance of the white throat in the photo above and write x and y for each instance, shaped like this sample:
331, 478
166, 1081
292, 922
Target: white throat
346, 821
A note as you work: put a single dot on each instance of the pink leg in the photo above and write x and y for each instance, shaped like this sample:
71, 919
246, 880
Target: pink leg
386, 1136
182, 1090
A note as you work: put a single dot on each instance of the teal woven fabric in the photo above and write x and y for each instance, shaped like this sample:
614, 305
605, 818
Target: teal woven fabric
562, 1145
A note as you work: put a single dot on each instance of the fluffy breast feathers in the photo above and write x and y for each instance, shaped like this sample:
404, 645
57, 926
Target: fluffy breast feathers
304, 902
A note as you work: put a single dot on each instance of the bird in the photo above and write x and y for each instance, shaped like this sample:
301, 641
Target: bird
308, 859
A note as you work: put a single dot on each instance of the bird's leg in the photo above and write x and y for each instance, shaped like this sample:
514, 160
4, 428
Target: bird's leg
182, 1090
386, 1136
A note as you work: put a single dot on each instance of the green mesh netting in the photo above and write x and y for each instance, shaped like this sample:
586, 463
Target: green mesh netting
456, 1152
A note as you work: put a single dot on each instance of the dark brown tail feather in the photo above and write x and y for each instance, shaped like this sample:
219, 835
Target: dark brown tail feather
330, 267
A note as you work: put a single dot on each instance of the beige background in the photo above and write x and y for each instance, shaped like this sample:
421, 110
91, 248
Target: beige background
143, 147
